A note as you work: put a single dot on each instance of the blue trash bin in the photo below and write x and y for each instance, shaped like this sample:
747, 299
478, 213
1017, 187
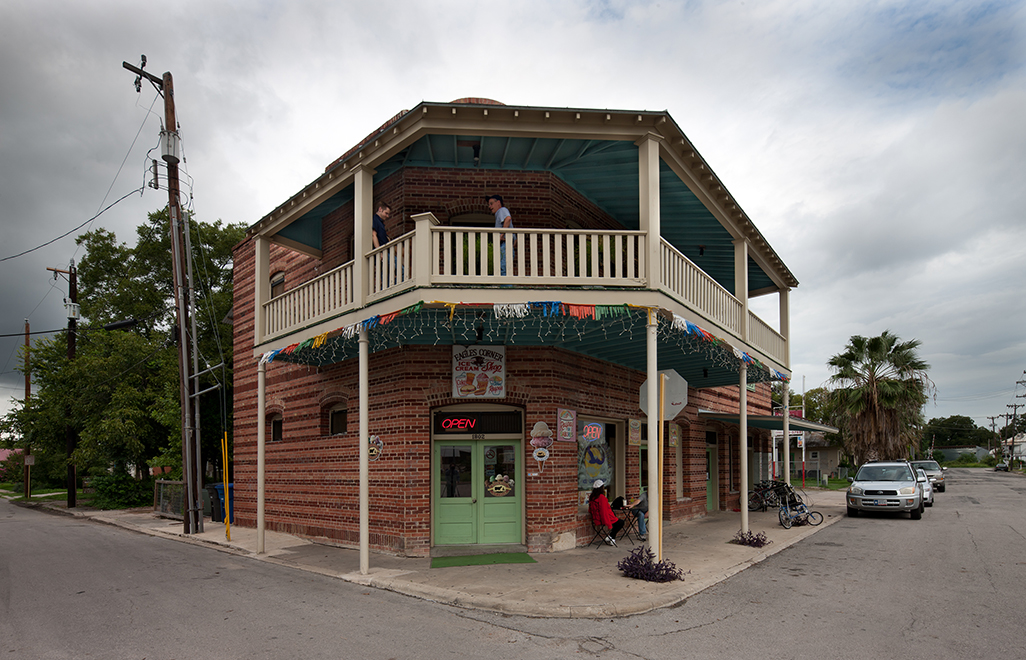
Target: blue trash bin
231, 499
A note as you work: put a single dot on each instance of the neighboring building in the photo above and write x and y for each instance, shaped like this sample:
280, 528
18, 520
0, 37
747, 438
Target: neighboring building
953, 453
493, 401
822, 457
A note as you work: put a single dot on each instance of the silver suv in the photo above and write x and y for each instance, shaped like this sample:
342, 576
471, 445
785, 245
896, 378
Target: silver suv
934, 471
885, 486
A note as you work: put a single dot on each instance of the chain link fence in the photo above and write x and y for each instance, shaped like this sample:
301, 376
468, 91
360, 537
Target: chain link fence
169, 498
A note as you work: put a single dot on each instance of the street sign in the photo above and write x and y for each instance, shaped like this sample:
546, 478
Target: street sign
675, 394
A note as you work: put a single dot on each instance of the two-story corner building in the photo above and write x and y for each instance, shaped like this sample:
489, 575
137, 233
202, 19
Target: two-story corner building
491, 398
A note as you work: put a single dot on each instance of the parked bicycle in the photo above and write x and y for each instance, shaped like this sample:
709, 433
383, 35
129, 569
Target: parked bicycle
794, 511
767, 495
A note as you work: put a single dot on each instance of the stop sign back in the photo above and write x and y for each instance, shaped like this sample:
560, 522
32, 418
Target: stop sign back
675, 394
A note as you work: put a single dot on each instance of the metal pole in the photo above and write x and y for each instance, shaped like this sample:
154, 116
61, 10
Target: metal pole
743, 444
787, 433
261, 437
364, 454
194, 407
655, 504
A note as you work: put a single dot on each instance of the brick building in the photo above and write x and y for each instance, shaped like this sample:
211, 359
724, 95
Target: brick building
416, 399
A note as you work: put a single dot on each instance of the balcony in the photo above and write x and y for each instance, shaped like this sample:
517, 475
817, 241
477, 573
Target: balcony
608, 262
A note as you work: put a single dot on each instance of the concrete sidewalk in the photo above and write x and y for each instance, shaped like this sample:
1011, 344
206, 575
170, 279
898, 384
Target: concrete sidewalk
581, 583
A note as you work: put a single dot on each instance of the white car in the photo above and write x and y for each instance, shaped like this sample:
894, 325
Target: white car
924, 480
885, 486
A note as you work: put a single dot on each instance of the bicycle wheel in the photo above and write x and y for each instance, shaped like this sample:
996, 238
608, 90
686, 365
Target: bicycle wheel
755, 502
785, 517
815, 517
772, 498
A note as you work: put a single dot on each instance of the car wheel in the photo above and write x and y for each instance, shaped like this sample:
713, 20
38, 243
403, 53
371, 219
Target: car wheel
853, 513
917, 514
942, 488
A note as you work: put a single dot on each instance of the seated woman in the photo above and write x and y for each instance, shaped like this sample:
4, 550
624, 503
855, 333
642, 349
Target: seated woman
640, 509
601, 513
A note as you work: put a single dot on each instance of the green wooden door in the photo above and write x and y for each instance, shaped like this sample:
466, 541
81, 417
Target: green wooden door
478, 498
712, 481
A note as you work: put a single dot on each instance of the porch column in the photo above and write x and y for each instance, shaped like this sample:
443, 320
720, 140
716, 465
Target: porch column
743, 442
364, 456
261, 431
262, 287
422, 252
785, 324
363, 214
648, 205
787, 432
741, 282
655, 495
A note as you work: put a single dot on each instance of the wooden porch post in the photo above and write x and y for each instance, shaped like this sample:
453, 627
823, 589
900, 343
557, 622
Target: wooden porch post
648, 205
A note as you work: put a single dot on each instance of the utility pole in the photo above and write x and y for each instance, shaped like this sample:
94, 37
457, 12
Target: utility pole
1015, 409
70, 434
993, 428
169, 141
27, 475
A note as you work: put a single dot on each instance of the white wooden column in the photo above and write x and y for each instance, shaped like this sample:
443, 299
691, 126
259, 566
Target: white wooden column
743, 442
785, 324
741, 282
363, 218
262, 287
648, 205
655, 496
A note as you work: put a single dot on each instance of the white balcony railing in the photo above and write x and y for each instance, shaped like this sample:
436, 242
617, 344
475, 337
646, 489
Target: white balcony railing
540, 257
688, 283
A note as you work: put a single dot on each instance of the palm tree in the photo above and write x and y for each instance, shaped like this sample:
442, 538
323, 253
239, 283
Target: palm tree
881, 386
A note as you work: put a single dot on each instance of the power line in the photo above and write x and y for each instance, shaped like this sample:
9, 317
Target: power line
70, 231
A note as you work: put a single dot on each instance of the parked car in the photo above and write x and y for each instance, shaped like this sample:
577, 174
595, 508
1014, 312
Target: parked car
1001, 467
927, 487
885, 486
934, 471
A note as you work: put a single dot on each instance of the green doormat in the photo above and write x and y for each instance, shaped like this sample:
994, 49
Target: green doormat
481, 560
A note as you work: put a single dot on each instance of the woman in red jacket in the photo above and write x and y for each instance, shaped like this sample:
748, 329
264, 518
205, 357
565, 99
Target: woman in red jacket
601, 513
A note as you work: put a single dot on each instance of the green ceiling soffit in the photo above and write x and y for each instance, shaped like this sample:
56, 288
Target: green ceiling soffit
604, 171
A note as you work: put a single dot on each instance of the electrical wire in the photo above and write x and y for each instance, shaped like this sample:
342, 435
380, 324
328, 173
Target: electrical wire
74, 229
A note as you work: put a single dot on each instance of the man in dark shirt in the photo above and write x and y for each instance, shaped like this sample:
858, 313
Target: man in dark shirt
379, 237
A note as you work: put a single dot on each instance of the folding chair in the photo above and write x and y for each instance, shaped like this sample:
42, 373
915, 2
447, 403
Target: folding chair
601, 532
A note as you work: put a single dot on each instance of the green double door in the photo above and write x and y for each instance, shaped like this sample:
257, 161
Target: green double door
477, 492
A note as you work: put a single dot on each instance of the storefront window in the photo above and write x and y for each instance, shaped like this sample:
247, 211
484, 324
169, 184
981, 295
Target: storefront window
595, 453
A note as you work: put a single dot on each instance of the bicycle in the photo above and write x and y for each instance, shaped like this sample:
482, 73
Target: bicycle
794, 511
767, 494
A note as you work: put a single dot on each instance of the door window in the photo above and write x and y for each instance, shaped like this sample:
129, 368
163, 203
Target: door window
500, 469
456, 465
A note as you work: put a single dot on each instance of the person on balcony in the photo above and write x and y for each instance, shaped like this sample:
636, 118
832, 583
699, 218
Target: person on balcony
502, 220
379, 236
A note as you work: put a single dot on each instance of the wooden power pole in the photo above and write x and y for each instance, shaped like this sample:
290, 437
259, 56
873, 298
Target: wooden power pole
169, 140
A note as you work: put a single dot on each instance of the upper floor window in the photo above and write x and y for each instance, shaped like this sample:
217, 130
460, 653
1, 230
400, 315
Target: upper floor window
337, 419
277, 284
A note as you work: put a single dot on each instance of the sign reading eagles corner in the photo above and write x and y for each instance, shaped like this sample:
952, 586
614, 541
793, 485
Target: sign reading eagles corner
479, 372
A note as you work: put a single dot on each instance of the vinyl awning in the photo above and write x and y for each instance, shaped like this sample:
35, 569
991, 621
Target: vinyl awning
768, 422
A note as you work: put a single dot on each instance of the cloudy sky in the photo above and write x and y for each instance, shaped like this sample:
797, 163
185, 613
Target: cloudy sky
879, 146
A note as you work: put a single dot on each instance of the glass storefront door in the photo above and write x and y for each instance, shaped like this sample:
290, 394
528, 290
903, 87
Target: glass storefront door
478, 497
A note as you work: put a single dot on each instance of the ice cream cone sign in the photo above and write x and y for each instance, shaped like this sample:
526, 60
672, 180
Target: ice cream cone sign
541, 440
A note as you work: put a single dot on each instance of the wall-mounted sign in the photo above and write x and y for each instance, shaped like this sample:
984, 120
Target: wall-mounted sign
374, 447
674, 434
478, 422
634, 431
479, 372
567, 425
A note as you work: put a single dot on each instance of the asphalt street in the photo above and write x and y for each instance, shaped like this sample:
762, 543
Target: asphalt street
947, 586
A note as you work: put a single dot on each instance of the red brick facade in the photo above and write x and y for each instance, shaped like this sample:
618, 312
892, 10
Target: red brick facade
312, 477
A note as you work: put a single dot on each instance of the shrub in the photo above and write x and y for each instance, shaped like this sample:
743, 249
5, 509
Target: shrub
750, 538
640, 564
120, 490
12, 469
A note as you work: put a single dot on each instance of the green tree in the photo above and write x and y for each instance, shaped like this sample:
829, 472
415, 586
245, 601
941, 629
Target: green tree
955, 431
121, 391
881, 385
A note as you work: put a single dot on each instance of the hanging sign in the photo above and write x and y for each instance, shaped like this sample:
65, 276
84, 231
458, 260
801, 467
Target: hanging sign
479, 372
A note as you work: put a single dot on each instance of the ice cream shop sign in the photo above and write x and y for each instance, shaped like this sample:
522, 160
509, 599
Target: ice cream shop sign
479, 372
